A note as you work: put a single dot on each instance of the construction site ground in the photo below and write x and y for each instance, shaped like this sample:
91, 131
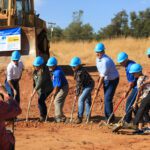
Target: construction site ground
51, 136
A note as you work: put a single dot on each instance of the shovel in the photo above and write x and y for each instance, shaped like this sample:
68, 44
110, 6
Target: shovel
116, 108
49, 108
120, 124
88, 117
72, 111
29, 105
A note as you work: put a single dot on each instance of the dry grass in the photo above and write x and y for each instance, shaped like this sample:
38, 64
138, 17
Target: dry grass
136, 49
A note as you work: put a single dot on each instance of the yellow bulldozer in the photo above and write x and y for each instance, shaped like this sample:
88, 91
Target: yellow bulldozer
22, 29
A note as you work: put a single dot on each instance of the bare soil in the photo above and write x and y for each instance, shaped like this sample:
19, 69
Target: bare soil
51, 136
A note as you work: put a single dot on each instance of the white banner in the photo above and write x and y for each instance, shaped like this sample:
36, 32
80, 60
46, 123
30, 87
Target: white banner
10, 39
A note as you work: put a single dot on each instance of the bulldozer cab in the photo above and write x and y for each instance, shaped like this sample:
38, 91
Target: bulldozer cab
20, 15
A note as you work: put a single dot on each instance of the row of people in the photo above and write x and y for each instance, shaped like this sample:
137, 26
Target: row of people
108, 77
45, 83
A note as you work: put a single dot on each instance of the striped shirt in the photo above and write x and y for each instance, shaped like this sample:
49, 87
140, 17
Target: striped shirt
83, 79
13, 71
146, 89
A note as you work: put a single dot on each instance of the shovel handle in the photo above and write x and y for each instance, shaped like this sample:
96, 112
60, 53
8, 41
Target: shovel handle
29, 105
108, 121
118, 104
88, 117
72, 111
49, 108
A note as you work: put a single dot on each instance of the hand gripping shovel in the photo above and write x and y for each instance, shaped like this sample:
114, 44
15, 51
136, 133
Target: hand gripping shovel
72, 111
49, 108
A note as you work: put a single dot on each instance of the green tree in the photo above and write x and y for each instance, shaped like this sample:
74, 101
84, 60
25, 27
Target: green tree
57, 33
77, 30
118, 27
140, 23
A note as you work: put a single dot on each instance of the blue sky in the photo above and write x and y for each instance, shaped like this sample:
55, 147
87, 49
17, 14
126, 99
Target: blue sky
96, 12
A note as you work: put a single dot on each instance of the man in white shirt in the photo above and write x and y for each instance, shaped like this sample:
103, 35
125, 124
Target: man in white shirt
108, 77
14, 73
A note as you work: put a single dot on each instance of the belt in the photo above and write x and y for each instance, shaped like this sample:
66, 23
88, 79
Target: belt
15, 80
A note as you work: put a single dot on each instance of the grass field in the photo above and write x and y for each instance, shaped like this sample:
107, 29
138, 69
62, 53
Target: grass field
136, 49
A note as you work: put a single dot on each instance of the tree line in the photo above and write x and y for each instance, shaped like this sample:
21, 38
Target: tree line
135, 25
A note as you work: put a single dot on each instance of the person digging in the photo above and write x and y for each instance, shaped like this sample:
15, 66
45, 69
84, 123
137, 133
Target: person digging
84, 87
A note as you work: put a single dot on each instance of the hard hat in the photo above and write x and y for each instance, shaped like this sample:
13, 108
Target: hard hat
75, 62
52, 61
148, 51
135, 68
122, 57
38, 61
99, 47
15, 55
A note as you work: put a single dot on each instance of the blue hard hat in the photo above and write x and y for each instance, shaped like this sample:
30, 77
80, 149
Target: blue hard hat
122, 57
15, 55
135, 68
99, 47
52, 61
38, 61
148, 51
75, 62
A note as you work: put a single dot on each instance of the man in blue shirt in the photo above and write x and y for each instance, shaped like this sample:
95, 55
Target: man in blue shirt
109, 78
61, 88
132, 89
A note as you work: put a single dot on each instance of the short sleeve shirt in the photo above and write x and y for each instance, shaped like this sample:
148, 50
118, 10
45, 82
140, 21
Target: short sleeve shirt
129, 76
146, 89
14, 71
58, 78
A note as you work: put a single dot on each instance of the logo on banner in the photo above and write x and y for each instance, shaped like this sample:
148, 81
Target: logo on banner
10, 39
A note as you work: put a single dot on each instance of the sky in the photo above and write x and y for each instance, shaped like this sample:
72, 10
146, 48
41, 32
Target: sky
98, 13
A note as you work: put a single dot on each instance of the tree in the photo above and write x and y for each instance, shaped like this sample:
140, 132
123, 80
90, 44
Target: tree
118, 27
57, 33
77, 16
140, 23
77, 30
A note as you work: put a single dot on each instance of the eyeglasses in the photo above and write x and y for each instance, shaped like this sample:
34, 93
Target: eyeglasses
73, 67
15, 60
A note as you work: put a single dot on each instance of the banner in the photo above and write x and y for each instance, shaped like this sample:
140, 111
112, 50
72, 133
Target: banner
10, 39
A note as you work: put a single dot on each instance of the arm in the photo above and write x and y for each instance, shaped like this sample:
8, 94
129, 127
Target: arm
79, 82
57, 83
37, 85
101, 80
9, 78
137, 98
130, 86
22, 70
55, 91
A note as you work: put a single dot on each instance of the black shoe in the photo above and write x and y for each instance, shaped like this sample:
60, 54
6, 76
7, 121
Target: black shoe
78, 120
138, 132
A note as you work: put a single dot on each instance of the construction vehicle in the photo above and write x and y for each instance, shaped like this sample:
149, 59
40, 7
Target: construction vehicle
20, 15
